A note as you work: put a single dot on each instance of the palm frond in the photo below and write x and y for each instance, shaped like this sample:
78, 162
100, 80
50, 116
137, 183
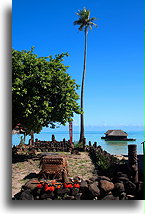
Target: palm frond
81, 27
93, 18
84, 19
83, 13
93, 24
90, 27
77, 22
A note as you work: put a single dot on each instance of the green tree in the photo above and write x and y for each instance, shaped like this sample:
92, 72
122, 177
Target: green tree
85, 23
43, 94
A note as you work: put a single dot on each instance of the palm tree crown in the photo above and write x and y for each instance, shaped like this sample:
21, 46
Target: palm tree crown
84, 20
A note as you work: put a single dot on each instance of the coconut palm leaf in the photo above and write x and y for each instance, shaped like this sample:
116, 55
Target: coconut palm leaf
84, 20
83, 13
81, 27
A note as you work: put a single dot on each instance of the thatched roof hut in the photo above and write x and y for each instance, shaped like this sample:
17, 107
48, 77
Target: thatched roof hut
116, 133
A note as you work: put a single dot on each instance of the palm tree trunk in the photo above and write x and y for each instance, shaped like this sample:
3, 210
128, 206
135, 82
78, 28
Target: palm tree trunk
82, 90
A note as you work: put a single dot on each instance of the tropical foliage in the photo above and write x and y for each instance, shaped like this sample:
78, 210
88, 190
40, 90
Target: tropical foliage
43, 94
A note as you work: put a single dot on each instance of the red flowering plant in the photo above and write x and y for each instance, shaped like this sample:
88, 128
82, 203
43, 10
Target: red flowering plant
51, 186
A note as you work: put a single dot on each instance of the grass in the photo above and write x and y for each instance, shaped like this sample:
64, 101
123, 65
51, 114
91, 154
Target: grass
80, 165
23, 181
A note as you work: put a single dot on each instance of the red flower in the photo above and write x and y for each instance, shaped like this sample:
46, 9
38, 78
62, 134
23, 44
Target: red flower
76, 185
48, 188
39, 185
58, 187
68, 185
65, 185
51, 188
45, 187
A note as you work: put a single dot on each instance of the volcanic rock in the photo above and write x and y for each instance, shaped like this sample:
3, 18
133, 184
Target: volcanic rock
94, 189
110, 197
84, 184
122, 179
120, 174
31, 184
62, 191
103, 178
130, 187
106, 186
26, 195
118, 189
94, 178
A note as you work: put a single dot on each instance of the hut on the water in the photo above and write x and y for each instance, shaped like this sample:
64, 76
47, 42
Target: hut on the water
116, 135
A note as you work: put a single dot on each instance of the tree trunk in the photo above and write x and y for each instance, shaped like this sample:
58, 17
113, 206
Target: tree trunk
32, 138
82, 90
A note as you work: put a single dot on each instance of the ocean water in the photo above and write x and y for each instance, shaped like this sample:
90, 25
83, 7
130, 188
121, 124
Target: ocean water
113, 147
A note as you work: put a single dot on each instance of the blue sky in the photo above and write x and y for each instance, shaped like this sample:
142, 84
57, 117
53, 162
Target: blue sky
114, 79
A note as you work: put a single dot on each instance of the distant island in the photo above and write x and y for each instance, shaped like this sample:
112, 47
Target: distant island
118, 135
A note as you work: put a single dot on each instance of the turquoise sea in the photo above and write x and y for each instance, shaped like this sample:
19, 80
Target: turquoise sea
113, 147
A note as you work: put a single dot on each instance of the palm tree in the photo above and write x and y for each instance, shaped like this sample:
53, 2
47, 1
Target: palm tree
85, 23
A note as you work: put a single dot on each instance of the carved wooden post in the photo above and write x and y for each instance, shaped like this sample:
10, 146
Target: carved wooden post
53, 138
132, 162
84, 144
65, 178
90, 143
95, 144
143, 146
64, 144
